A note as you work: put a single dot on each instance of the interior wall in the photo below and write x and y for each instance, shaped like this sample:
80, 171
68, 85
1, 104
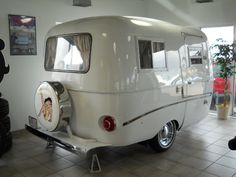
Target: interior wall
26, 72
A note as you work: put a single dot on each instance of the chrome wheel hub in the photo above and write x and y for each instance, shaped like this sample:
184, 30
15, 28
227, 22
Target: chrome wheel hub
166, 135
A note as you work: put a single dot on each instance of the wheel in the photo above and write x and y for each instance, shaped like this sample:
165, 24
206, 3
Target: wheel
165, 138
4, 107
5, 121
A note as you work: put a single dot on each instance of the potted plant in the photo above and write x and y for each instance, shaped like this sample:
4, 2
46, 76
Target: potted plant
224, 58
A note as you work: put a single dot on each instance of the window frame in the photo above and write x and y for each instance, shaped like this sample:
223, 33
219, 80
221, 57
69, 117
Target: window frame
69, 71
152, 41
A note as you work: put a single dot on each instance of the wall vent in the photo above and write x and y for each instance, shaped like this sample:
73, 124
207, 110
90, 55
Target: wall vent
82, 3
203, 1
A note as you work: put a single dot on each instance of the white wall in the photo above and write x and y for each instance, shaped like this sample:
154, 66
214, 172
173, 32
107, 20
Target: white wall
26, 72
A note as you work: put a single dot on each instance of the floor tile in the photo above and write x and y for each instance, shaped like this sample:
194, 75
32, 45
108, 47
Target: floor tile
146, 171
22, 165
196, 163
46, 157
54, 175
220, 170
128, 164
162, 164
228, 162
204, 174
74, 171
184, 171
38, 171
75, 158
6, 171
58, 164
16, 175
62, 152
231, 154
206, 155
217, 149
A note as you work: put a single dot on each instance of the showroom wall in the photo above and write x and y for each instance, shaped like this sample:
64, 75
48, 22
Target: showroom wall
188, 12
26, 72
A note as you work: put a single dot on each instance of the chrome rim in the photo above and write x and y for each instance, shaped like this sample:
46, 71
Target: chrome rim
166, 135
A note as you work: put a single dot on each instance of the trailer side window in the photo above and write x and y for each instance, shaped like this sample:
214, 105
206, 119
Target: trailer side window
145, 54
68, 53
151, 54
195, 54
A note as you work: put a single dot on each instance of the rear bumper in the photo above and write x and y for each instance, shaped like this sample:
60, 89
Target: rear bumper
62, 139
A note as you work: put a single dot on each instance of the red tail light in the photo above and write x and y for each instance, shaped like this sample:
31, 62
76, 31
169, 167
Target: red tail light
109, 123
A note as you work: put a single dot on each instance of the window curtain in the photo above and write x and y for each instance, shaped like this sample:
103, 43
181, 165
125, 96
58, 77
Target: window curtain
83, 43
51, 52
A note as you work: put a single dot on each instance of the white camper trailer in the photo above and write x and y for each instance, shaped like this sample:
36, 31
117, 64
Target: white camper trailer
117, 80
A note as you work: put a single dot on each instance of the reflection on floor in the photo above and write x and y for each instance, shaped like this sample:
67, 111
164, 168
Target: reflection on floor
200, 150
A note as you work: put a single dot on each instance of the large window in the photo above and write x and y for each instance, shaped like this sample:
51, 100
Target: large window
152, 54
214, 34
68, 53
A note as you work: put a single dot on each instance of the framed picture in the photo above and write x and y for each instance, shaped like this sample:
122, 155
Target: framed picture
22, 32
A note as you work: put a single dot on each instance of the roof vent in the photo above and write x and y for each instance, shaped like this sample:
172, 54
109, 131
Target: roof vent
203, 1
82, 3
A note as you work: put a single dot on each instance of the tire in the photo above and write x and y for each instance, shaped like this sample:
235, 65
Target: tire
165, 138
6, 123
3, 130
2, 135
4, 107
7, 142
5, 139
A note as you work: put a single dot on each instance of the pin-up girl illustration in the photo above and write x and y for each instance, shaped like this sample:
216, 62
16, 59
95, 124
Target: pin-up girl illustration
46, 108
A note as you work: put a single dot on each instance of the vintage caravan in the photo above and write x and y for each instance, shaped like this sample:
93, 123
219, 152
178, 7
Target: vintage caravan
119, 80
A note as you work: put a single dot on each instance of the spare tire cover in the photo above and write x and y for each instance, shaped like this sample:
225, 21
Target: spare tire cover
52, 105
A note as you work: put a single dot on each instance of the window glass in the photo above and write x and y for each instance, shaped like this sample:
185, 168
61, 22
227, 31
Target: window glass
69, 53
159, 60
145, 54
195, 54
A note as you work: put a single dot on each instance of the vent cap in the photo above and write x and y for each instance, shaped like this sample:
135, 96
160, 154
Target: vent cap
82, 3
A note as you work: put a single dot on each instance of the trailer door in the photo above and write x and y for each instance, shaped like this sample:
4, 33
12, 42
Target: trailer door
194, 75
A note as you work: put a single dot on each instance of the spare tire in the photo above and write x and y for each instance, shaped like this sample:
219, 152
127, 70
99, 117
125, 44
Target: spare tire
4, 107
52, 105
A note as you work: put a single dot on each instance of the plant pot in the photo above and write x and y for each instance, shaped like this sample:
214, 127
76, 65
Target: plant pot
222, 111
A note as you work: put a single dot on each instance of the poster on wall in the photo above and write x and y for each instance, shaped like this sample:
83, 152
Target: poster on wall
22, 32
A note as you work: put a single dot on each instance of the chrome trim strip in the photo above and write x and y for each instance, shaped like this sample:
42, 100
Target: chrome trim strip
162, 107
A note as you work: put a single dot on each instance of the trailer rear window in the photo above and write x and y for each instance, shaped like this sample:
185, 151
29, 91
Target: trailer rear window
68, 53
152, 54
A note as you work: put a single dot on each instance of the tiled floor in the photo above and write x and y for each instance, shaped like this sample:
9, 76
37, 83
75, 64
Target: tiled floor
200, 151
